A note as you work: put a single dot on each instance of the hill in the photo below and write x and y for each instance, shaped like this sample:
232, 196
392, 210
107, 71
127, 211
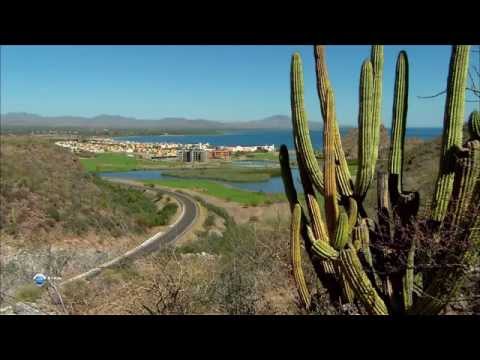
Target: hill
46, 196
12, 121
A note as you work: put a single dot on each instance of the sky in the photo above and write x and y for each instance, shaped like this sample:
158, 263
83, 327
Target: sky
224, 83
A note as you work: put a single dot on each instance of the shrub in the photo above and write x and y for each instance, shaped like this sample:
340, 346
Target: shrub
28, 293
209, 221
53, 213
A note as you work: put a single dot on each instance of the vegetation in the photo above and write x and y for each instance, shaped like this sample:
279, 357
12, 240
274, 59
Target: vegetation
221, 191
226, 174
405, 261
122, 162
240, 273
257, 155
28, 293
45, 194
142, 209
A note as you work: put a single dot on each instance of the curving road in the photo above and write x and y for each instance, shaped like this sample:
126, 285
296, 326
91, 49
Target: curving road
187, 217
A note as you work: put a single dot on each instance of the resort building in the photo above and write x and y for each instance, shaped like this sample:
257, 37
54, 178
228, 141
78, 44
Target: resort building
192, 155
220, 154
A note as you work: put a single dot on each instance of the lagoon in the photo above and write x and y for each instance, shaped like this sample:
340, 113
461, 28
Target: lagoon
273, 185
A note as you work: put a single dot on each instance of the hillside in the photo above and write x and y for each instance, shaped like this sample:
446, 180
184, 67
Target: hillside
46, 195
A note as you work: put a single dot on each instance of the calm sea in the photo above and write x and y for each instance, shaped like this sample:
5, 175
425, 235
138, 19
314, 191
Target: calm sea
262, 137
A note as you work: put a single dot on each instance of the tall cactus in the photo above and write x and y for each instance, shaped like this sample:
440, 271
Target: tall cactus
376, 58
453, 128
399, 123
366, 137
331, 206
323, 84
404, 203
352, 250
300, 125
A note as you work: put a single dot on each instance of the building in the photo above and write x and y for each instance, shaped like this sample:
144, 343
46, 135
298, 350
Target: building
220, 154
192, 155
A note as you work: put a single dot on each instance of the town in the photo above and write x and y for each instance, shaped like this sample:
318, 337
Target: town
200, 152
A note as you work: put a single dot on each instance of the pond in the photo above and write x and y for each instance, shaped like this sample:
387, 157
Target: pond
273, 185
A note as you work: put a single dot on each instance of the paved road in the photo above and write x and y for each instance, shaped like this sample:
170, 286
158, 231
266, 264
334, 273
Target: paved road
189, 212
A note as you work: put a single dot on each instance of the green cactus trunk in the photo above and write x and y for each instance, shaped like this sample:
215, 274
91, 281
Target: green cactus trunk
343, 176
453, 127
366, 140
376, 58
300, 127
399, 123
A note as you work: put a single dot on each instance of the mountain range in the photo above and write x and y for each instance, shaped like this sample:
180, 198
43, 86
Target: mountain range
27, 120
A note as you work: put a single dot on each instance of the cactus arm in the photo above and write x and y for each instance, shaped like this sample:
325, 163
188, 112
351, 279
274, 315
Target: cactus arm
399, 122
342, 232
453, 127
384, 208
296, 259
303, 143
322, 268
377, 67
360, 283
321, 248
361, 242
474, 125
365, 146
467, 177
352, 213
287, 178
331, 206
408, 279
319, 228
323, 83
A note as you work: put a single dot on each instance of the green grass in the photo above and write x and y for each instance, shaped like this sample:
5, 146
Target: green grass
263, 156
122, 162
220, 191
226, 174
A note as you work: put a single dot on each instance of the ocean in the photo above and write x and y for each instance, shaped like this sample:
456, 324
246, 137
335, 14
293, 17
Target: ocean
262, 137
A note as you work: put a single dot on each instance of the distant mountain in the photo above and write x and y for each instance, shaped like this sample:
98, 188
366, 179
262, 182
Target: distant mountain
119, 122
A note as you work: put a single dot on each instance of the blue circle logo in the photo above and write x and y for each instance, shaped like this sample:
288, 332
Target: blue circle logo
39, 279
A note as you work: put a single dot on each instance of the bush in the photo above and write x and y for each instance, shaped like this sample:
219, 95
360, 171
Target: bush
53, 213
119, 274
28, 293
209, 221
164, 216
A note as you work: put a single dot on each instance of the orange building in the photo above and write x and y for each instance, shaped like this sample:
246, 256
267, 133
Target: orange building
220, 154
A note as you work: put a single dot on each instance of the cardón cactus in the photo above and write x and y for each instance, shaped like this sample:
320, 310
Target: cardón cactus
349, 247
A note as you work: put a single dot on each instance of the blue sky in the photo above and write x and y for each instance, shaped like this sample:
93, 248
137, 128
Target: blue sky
224, 83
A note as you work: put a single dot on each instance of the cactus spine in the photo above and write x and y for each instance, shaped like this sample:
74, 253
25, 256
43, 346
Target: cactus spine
351, 253
453, 124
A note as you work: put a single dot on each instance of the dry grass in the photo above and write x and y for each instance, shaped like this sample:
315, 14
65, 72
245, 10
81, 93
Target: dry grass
245, 271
